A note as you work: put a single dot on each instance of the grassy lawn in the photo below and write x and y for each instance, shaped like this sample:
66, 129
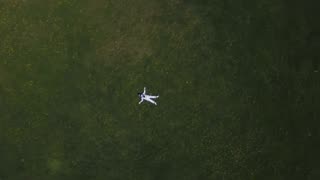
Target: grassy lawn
238, 82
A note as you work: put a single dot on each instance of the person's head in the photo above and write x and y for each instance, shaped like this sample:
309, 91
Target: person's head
139, 94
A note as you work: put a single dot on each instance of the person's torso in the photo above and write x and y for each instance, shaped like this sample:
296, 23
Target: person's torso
145, 96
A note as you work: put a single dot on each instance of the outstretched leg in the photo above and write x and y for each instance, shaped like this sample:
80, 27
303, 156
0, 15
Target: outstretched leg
152, 101
153, 97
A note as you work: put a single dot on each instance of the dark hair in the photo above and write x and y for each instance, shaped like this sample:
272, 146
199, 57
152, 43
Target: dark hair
139, 94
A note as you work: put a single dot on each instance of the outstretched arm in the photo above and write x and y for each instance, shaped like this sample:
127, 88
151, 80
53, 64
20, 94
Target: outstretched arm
144, 90
140, 101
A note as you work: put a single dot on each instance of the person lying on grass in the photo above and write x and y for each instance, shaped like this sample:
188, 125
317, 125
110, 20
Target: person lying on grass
143, 96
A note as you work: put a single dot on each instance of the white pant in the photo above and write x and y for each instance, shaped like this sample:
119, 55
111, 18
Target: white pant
150, 100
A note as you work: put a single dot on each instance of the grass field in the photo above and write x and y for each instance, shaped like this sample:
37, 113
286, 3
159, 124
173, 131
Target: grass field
238, 84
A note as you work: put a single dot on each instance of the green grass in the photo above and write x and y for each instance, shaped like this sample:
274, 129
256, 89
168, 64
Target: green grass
239, 95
